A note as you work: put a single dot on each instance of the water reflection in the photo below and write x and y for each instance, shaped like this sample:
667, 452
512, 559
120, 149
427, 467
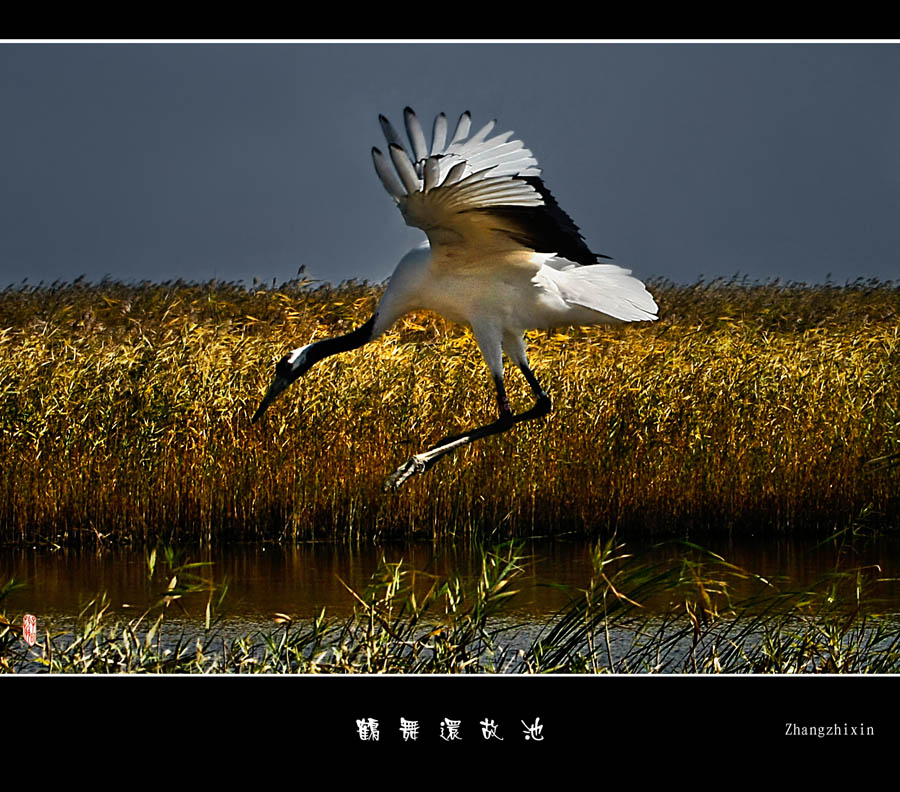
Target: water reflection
300, 580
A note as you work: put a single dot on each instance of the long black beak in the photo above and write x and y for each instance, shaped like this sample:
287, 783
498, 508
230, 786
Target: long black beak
278, 385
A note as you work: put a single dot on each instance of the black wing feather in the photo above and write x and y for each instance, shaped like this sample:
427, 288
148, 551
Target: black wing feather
545, 229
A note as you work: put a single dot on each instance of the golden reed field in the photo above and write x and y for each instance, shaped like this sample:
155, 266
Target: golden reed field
125, 416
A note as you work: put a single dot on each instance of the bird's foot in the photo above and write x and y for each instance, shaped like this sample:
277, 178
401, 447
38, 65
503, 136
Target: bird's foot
413, 465
422, 462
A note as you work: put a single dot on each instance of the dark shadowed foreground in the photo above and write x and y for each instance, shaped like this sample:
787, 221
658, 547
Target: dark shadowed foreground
125, 415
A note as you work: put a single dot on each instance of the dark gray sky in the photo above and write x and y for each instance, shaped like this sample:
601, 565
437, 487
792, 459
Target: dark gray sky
235, 161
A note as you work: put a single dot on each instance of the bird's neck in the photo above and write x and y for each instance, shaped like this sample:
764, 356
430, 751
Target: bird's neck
332, 346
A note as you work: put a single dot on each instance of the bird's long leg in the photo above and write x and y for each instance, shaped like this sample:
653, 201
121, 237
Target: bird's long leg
422, 462
514, 346
502, 400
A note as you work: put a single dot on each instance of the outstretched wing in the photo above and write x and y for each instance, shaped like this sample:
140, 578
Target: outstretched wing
475, 191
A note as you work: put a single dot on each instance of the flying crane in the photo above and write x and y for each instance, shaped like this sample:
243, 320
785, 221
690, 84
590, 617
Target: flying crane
500, 257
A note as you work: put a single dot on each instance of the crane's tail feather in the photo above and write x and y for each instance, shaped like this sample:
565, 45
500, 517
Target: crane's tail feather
604, 288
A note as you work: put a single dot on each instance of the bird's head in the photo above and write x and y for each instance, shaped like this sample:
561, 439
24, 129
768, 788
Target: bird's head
292, 366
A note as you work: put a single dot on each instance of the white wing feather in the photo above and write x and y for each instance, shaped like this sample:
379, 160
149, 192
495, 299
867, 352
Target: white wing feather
476, 172
390, 134
478, 152
439, 134
416, 135
462, 128
388, 176
405, 169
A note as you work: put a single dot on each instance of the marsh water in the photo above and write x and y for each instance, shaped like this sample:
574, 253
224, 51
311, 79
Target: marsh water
300, 580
